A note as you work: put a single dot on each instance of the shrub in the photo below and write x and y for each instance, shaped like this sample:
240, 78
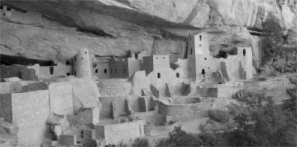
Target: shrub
179, 138
221, 116
140, 142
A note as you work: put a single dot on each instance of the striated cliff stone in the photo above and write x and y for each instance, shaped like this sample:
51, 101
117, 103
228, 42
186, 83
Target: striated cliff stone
62, 44
54, 29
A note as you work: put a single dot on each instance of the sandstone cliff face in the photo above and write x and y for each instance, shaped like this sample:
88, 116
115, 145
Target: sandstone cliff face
54, 29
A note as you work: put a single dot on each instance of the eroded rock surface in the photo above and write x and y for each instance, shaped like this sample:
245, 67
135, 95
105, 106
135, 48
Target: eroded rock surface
55, 30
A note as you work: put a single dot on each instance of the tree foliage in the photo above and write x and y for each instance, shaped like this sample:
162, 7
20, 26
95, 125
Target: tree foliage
140, 142
260, 122
273, 40
275, 46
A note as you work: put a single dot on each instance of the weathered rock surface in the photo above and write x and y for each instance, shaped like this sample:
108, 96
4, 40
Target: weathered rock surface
53, 29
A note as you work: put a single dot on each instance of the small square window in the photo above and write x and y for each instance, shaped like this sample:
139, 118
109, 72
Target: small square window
51, 70
159, 75
105, 70
96, 71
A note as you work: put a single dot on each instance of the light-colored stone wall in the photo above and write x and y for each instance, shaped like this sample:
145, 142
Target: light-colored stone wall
133, 66
161, 62
152, 118
61, 98
122, 132
151, 130
30, 111
179, 111
10, 87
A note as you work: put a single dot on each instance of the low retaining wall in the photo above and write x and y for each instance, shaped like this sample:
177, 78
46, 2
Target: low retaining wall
150, 130
151, 118
122, 132
179, 111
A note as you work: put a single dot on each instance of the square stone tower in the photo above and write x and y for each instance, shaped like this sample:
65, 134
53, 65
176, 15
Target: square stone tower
198, 47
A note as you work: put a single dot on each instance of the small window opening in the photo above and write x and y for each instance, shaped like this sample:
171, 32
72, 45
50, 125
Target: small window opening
105, 70
51, 70
67, 62
82, 58
86, 52
203, 71
1, 7
136, 56
204, 58
96, 71
159, 75
191, 51
68, 74
243, 52
200, 37
199, 44
177, 75
3, 14
8, 9
163, 57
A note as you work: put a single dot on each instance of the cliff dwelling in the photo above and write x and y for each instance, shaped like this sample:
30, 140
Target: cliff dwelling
132, 73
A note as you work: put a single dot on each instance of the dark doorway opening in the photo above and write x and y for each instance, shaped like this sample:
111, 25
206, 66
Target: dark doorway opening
51, 70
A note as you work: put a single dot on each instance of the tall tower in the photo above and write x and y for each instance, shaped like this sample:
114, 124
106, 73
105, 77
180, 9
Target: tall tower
82, 64
197, 52
245, 53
